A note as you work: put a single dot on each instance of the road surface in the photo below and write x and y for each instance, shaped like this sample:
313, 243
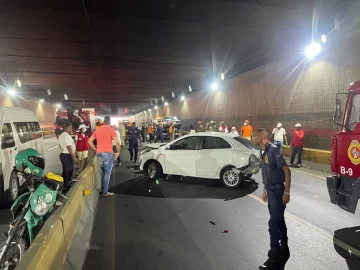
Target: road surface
178, 224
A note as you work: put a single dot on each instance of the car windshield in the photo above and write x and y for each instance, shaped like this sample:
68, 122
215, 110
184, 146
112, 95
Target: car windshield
246, 143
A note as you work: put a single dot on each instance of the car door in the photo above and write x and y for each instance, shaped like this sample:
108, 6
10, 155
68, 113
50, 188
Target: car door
215, 153
180, 157
8, 151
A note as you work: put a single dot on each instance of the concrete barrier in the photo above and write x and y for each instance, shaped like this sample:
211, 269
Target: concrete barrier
313, 155
63, 241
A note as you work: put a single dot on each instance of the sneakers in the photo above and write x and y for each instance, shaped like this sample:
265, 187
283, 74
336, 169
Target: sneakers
277, 261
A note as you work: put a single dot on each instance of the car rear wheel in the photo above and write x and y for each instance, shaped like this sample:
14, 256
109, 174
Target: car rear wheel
154, 170
230, 178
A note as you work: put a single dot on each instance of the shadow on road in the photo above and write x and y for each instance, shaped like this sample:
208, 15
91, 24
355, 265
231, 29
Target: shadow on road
183, 187
351, 237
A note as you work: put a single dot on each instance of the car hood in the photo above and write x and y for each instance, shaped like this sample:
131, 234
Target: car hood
154, 145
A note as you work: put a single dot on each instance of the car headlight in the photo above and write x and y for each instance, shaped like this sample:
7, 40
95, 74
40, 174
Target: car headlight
42, 207
145, 151
253, 159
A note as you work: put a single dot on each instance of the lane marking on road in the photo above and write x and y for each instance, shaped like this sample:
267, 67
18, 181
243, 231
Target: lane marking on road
318, 176
320, 232
52, 148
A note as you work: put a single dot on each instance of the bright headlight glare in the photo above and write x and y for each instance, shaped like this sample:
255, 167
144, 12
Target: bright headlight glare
42, 207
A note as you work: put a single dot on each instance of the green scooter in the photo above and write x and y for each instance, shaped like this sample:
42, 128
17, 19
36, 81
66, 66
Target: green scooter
31, 209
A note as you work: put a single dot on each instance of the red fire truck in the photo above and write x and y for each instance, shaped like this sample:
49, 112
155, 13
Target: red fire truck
344, 185
75, 118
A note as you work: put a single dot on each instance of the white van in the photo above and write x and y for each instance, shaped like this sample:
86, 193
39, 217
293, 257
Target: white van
19, 130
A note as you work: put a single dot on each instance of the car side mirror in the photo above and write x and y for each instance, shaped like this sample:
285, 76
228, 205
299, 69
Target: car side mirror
8, 142
337, 112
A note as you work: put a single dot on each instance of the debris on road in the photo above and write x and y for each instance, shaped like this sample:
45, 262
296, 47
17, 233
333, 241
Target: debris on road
225, 231
212, 222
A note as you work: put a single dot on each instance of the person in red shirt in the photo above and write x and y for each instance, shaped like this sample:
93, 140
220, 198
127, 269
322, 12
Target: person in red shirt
82, 147
297, 145
104, 152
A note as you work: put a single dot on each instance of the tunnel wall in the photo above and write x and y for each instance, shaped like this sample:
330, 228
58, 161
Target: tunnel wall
291, 90
45, 113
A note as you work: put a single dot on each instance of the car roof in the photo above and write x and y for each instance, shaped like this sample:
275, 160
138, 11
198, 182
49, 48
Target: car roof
215, 134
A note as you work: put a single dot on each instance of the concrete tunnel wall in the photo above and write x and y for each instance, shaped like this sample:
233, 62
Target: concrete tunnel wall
44, 112
289, 91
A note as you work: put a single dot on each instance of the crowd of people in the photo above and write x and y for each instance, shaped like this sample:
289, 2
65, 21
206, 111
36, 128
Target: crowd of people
106, 142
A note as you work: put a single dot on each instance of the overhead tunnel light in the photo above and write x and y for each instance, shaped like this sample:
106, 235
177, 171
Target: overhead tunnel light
12, 92
323, 38
182, 97
312, 50
166, 104
214, 86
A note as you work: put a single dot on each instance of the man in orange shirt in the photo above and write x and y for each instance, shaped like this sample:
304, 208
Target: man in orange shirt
246, 130
104, 152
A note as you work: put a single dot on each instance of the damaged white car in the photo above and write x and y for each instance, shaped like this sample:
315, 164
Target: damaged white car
228, 157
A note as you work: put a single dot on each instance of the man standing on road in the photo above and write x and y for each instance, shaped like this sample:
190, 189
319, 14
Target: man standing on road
104, 152
246, 130
67, 155
279, 135
297, 144
134, 136
275, 173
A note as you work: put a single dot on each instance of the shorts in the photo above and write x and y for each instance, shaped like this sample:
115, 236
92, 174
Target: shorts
82, 154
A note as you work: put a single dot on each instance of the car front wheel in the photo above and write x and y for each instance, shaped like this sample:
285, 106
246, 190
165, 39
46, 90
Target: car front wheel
154, 170
230, 178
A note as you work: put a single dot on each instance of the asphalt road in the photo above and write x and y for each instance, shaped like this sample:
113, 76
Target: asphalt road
52, 164
179, 224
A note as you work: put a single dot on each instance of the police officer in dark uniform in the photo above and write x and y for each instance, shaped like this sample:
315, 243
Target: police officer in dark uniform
277, 180
134, 135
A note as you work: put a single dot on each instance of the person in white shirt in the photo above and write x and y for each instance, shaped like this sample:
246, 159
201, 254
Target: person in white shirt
67, 156
118, 135
234, 131
279, 135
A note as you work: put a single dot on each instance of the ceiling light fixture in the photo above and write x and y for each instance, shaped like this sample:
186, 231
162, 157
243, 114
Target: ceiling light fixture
182, 97
190, 89
41, 101
222, 76
214, 86
18, 82
12, 92
312, 50
166, 104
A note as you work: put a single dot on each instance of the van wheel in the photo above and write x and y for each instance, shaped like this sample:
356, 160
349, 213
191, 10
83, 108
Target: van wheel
230, 178
14, 188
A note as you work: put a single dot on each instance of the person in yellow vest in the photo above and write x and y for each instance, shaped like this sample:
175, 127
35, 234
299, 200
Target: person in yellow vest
172, 131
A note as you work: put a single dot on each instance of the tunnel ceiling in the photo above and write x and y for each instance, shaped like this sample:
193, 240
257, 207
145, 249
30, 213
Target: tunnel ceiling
117, 54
